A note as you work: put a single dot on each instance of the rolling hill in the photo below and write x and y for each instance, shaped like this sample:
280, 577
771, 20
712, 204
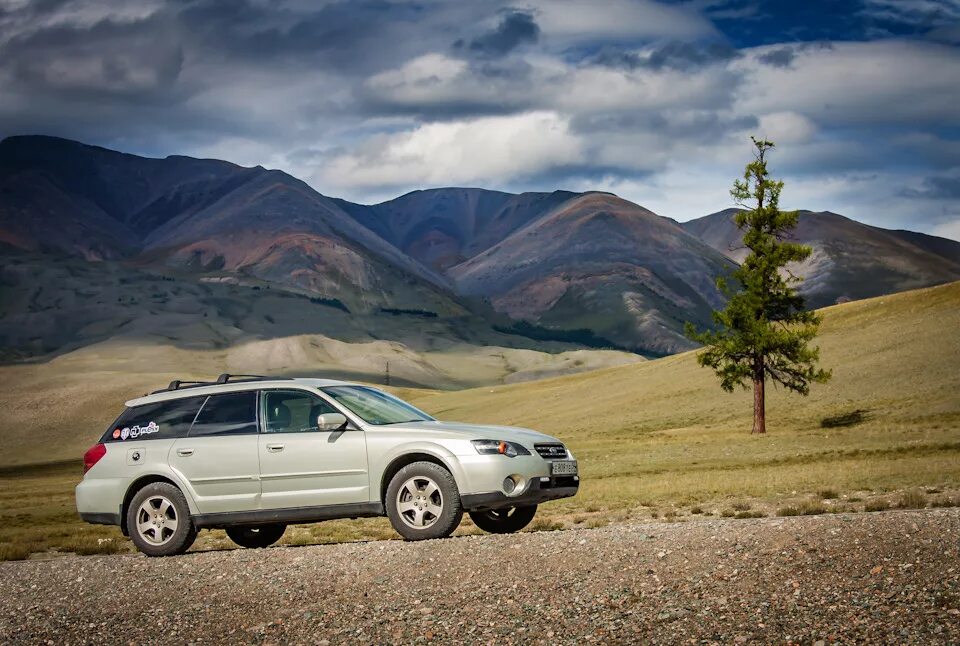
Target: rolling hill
664, 432
659, 430
850, 260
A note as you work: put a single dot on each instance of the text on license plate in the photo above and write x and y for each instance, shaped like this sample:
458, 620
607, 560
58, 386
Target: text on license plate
563, 468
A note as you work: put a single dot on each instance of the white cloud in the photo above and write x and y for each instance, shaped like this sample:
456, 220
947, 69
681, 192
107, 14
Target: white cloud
488, 150
949, 229
786, 127
430, 70
889, 81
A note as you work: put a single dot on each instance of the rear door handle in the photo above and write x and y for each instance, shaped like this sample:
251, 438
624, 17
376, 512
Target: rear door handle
184, 452
275, 448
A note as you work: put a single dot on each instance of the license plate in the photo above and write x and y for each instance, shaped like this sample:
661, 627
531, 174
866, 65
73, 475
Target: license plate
563, 468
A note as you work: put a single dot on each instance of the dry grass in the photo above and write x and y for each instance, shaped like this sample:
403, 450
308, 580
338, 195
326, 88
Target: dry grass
912, 499
650, 437
665, 434
805, 508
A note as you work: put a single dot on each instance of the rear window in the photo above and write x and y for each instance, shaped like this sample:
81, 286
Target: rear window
159, 421
227, 414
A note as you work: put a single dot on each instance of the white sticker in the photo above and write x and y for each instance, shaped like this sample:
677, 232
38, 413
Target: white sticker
137, 431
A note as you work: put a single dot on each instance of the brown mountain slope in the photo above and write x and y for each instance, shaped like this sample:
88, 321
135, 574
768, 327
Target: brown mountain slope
603, 263
62, 195
203, 217
276, 228
850, 260
443, 227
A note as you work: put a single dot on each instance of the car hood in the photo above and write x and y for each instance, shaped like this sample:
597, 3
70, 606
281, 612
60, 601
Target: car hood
479, 431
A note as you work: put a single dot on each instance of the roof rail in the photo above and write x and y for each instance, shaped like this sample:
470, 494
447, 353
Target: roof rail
224, 378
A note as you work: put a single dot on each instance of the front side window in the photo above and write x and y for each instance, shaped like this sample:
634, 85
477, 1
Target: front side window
375, 406
292, 411
227, 414
160, 421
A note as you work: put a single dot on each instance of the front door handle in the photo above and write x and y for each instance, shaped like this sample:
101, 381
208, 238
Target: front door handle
275, 448
184, 452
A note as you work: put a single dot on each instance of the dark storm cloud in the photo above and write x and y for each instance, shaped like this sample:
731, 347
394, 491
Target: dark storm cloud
938, 187
357, 35
703, 126
134, 60
682, 56
781, 57
516, 28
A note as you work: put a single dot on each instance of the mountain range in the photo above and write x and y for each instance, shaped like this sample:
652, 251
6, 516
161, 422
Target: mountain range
580, 268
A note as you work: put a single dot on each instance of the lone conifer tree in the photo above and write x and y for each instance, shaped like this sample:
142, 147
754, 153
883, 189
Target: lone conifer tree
765, 329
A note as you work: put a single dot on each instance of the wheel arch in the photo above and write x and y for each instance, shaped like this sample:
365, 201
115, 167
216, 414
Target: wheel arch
139, 483
418, 454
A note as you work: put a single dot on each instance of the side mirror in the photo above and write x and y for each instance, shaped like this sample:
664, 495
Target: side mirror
331, 421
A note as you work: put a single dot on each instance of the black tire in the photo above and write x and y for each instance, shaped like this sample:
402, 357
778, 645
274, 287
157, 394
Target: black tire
445, 499
256, 535
165, 541
504, 521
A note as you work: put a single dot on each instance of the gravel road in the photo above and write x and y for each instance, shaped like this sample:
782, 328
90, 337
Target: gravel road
891, 577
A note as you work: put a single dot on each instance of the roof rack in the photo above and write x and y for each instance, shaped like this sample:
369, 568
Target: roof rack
224, 378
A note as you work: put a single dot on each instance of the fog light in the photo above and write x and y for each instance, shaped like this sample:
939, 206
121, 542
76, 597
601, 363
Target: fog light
509, 485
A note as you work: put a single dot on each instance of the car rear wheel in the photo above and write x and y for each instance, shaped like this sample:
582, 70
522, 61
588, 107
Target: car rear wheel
159, 521
504, 521
256, 535
423, 502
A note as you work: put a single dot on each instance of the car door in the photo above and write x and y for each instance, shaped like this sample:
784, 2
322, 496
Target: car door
218, 458
303, 466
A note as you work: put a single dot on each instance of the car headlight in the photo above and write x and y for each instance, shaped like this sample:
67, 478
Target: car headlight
495, 447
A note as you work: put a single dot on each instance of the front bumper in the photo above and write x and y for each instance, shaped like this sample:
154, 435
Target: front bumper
538, 490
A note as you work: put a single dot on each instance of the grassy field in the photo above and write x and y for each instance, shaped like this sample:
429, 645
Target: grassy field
659, 439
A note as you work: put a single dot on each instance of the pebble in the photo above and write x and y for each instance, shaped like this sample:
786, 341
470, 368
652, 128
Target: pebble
862, 578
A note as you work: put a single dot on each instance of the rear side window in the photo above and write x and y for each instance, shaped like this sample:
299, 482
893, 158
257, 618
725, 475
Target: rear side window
161, 421
227, 414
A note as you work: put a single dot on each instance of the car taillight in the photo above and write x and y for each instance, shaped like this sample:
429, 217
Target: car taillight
93, 455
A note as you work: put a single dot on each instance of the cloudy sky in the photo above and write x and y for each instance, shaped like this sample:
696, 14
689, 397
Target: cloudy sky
654, 101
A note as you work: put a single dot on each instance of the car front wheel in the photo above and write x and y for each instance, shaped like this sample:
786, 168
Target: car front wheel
504, 521
423, 502
256, 535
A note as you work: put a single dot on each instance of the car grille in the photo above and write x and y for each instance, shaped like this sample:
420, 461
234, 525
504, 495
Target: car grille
551, 451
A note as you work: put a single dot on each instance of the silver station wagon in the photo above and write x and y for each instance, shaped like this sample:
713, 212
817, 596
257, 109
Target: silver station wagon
252, 454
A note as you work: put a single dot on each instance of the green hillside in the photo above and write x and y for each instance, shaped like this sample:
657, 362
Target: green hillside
664, 432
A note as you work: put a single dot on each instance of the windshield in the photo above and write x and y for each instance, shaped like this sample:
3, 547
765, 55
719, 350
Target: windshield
375, 406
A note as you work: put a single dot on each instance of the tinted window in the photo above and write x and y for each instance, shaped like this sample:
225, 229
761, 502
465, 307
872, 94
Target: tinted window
160, 421
290, 411
227, 414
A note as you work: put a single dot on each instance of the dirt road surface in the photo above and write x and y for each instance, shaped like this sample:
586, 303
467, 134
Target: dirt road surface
891, 577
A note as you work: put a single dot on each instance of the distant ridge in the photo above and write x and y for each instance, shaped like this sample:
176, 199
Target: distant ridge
561, 261
850, 260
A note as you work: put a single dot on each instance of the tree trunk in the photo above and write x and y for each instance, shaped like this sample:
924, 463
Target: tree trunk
759, 400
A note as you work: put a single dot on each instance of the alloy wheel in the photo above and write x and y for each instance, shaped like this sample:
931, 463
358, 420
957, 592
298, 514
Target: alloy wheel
157, 520
419, 502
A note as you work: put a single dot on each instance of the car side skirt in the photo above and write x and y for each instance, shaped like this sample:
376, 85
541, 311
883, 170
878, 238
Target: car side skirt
289, 515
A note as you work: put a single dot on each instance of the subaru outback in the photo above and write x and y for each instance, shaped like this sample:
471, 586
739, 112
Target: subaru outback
252, 454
